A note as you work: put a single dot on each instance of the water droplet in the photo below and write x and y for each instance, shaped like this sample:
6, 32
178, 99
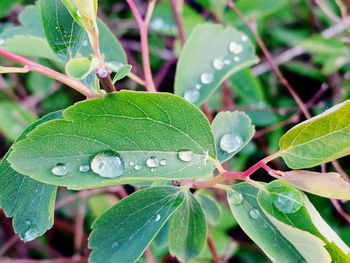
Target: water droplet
59, 169
137, 167
235, 197
132, 163
85, 43
191, 95
237, 59
163, 162
230, 142
78, 13
185, 156
254, 213
108, 164
198, 86
84, 168
31, 233
157, 24
152, 170
264, 226
2, 41
115, 244
235, 48
227, 62
244, 38
157, 217
28, 222
207, 78
218, 63
286, 202
152, 162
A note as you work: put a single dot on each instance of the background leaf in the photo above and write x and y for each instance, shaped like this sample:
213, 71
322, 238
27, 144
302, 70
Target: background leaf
321, 139
125, 230
210, 206
62, 32
188, 230
29, 202
232, 131
201, 67
161, 144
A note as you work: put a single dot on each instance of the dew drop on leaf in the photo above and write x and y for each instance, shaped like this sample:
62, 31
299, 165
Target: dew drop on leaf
218, 64
230, 142
237, 59
254, 213
207, 78
108, 164
84, 168
115, 244
191, 95
157, 217
131, 163
152, 162
59, 169
235, 197
235, 48
227, 62
198, 86
31, 233
244, 38
163, 162
137, 167
185, 156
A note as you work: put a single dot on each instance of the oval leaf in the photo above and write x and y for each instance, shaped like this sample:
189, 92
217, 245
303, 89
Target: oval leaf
321, 139
152, 137
124, 231
210, 207
211, 54
232, 131
330, 185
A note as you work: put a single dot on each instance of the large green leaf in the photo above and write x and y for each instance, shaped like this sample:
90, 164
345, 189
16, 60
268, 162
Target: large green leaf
29, 202
304, 223
211, 54
150, 137
188, 230
321, 139
124, 231
242, 199
62, 32
232, 131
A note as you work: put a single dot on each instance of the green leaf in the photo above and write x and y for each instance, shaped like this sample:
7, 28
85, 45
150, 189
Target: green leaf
151, 137
125, 230
232, 131
14, 119
321, 139
122, 72
242, 199
306, 229
210, 206
62, 32
80, 68
29, 202
188, 230
202, 68
330, 185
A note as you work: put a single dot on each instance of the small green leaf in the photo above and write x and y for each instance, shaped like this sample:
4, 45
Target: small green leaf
62, 32
242, 199
14, 119
80, 68
311, 234
211, 54
188, 230
122, 72
210, 206
125, 230
124, 137
321, 139
330, 185
29, 202
232, 131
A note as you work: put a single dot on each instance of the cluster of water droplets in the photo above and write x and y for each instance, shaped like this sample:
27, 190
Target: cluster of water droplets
230, 142
235, 48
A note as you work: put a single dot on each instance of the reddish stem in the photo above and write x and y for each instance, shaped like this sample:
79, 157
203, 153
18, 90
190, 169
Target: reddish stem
213, 251
178, 21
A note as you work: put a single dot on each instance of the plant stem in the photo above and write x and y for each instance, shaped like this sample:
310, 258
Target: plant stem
213, 251
178, 20
36, 67
143, 27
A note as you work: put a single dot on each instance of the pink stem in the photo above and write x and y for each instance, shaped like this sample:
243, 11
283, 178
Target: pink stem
241, 175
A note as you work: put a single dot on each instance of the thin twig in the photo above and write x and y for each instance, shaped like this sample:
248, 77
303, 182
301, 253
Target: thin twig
79, 225
213, 251
178, 20
11, 242
340, 210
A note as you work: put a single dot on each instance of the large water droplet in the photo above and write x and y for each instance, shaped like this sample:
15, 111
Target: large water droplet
157, 217
207, 78
185, 156
254, 213
191, 95
236, 198
84, 168
230, 142
31, 233
218, 63
152, 162
108, 164
59, 169
235, 48
163, 162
